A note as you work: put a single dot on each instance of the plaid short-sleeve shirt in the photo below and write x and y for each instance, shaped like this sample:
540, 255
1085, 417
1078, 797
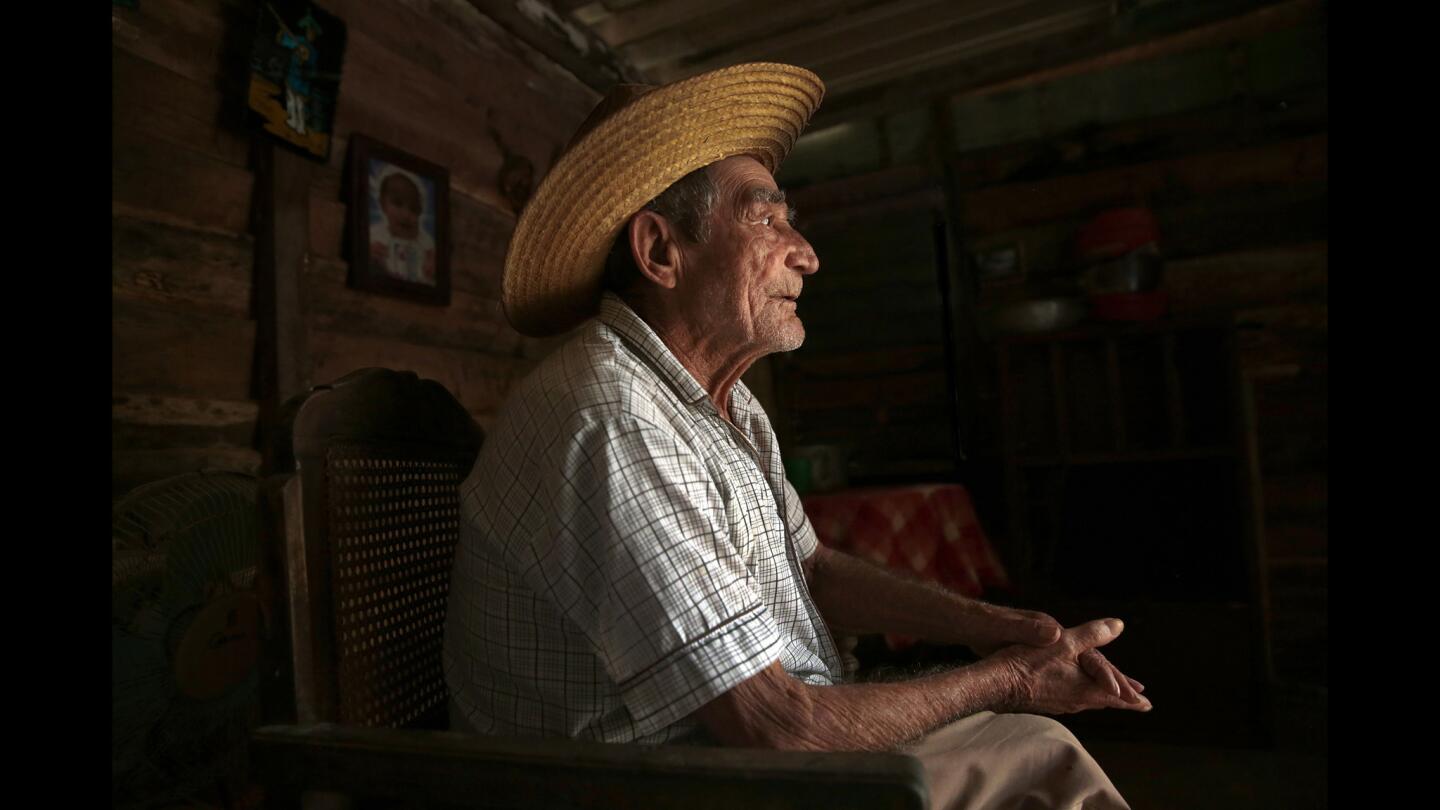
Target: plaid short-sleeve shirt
626, 555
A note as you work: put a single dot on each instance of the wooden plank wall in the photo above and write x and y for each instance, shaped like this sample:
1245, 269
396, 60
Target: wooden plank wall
433, 77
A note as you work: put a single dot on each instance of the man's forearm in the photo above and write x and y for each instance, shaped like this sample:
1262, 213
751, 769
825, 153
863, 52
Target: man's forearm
773, 710
858, 597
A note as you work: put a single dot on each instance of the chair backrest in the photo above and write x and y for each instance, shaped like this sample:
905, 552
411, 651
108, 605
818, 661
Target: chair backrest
368, 521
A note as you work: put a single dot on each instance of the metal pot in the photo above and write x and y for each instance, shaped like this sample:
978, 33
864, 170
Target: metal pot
1038, 315
1140, 270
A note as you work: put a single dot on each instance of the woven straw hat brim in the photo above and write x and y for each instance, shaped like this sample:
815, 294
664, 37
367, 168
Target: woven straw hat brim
557, 253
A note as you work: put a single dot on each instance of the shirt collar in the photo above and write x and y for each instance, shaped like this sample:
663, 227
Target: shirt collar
618, 315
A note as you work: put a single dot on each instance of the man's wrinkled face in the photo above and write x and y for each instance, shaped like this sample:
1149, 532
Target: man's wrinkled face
744, 281
400, 203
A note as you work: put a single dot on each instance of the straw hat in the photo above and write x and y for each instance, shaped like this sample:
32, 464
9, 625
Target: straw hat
636, 143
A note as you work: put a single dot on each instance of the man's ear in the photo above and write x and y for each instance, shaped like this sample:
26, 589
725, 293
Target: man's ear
655, 246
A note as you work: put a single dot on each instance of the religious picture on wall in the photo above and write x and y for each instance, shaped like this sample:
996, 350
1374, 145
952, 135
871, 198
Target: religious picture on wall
295, 73
399, 222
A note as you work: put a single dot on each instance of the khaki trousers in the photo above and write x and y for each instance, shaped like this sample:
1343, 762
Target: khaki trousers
1011, 762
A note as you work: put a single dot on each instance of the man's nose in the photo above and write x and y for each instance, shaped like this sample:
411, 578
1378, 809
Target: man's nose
802, 257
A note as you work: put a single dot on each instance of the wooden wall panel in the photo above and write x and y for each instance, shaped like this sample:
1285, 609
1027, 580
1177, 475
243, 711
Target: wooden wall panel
158, 436
172, 107
397, 102
327, 223
1285, 335
194, 38
459, 103
532, 106
181, 352
480, 235
1295, 495
151, 175
1248, 278
478, 380
437, 79
433, 77
545, 85
471, 322
1001, 207
164, 264
181, 259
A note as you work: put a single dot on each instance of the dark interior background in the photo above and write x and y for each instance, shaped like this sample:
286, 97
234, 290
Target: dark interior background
1173, 472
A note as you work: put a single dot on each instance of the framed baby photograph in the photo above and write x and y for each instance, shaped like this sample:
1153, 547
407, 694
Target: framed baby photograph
399, 210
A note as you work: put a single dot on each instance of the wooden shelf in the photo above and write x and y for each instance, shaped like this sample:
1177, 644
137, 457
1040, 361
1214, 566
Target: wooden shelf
1102, 330
1126, 457
1298, 562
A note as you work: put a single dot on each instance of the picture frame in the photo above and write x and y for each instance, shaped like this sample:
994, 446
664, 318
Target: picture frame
399, 217
294, 83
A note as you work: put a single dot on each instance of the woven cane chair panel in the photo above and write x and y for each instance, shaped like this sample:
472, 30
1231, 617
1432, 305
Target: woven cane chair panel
394, 523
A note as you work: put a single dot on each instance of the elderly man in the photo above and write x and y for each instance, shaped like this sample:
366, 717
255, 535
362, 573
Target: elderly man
634, 567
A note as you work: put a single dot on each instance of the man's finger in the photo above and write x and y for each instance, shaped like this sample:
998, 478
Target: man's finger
1126, 679
1125, 690
1099, 671
1142, 705
1041, 630
1097, 633
1017, 626
1039, 616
